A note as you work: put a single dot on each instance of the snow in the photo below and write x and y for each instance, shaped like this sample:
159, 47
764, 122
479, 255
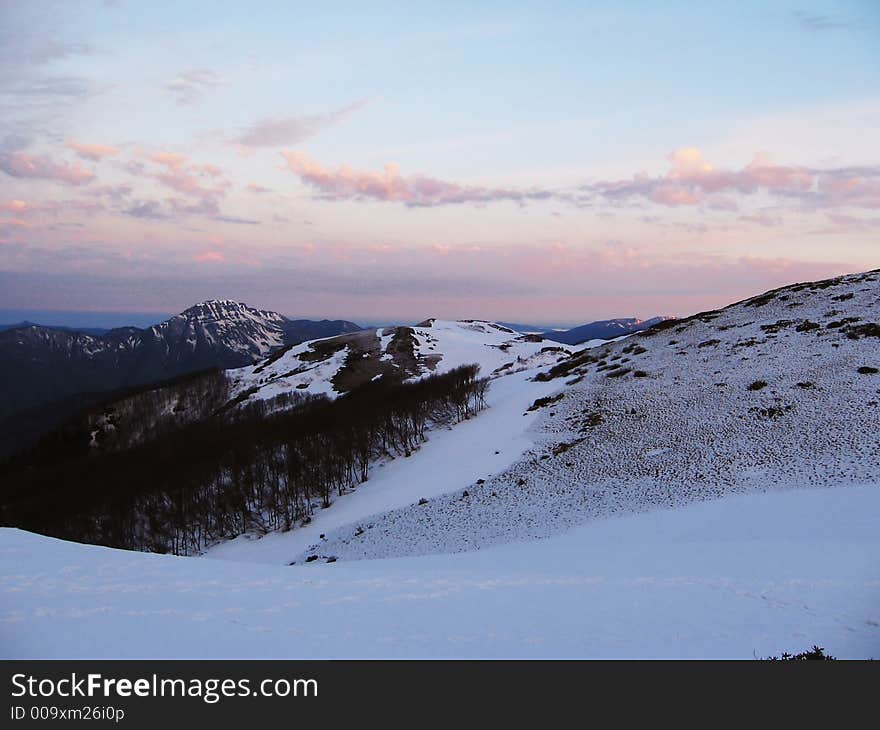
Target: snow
738, 577
481, 446
692, 430
449, 344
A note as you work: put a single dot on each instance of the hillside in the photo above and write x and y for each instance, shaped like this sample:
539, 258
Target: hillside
42, 365
339, 364
777, 392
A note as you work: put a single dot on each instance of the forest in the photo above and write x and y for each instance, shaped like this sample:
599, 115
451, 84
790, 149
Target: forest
161, 482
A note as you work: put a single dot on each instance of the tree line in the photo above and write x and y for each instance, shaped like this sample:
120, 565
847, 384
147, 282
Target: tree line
261, 466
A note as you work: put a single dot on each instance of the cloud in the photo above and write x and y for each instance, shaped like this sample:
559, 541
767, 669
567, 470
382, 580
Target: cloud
22, 165
17, 206
818, 21
851, 223
93, 152
691, 181
189, 87
762, 219
210, 257
150, 210
187, 177
33, 38
345, 183
279, 131
257, 189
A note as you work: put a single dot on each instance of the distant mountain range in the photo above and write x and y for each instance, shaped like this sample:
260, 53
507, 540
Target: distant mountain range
48, 374
40, 365
606, 329
94, 331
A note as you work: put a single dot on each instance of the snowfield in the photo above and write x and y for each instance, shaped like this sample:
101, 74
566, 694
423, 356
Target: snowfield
739, 577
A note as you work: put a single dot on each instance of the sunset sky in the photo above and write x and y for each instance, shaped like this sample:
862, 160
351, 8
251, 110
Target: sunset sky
540, 162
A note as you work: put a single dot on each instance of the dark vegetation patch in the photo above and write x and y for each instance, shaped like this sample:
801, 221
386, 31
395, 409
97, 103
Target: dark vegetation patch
578, 359
565, 446
771, 411
843, 297
867, 370
542, 402
816, 653
807, 326
842, 322
640, 374
805, 385
760, 301
758, 385
868, 329
592, 420
253, 468
778, 325
709, 343
618, 373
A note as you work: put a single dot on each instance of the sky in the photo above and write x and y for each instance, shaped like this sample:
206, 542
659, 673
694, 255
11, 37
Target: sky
521, 161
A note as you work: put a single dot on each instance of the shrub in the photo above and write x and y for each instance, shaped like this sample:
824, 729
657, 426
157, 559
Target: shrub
867, 370
757, 385
816, 653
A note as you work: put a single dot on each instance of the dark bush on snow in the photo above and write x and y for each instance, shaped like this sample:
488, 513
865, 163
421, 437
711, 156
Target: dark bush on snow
816, 653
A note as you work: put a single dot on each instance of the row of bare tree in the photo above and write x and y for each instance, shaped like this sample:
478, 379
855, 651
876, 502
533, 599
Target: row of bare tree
258, 467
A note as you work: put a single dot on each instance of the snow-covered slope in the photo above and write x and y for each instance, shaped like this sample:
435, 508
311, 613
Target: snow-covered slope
741, 577
777, 392
235, 326
338, 364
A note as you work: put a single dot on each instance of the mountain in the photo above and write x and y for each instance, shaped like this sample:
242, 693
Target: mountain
607, 329
95, 331
39, 365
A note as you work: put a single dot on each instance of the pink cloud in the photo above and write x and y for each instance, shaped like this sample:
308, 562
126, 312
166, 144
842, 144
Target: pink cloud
186, 177
17, 206
210, 257
93, 152
22, 165
691, 180
346, 183
14, 223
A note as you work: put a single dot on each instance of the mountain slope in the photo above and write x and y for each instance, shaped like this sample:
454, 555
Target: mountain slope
339, 364
608, 329
43, 364
776, 392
